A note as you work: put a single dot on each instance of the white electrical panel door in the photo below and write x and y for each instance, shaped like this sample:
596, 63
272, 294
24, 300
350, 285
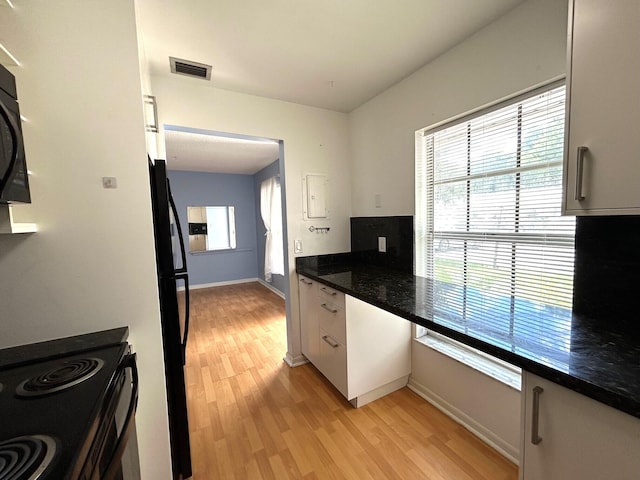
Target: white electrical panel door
316, 197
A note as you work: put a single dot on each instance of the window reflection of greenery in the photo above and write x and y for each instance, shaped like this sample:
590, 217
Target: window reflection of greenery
487, 278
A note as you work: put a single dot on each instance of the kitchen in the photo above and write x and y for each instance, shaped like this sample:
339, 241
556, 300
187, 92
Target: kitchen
80, 94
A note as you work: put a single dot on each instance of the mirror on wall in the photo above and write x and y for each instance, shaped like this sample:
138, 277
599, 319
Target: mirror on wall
211, 228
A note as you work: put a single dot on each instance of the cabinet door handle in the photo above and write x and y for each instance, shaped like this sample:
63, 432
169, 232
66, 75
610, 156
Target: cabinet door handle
328, 308
306, 282
580, 172
535, 415
327, 291
331, 343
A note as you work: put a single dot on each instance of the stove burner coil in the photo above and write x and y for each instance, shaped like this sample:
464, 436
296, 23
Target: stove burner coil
63, 376
26, 458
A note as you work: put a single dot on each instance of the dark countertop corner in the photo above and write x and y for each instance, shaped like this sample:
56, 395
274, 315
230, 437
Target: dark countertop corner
594, 355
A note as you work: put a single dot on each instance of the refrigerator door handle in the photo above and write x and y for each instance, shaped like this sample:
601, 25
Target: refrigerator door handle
183, 254
185, 277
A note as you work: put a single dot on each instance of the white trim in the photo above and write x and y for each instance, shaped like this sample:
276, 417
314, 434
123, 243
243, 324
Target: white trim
495, 105
219, 284
480, 431
484, 363
295, 361
272, 288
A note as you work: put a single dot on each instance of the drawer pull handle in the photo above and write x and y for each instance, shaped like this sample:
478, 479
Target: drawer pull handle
331, 343
326, 290
328, 308
306, 282
580, 173
535, 416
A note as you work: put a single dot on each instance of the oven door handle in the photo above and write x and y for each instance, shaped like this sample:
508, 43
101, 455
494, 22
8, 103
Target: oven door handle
114, 464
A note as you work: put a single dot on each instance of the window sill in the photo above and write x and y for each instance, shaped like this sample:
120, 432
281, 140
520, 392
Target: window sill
225, 250
492, 367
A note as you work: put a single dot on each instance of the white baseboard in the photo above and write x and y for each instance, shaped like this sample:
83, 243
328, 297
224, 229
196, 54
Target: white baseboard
219, 284
487, 436
376, 393
272, 288
295, 361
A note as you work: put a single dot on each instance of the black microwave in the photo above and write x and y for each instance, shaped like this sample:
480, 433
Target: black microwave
14, 181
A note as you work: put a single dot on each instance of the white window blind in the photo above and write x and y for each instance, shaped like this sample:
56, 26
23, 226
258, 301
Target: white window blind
488, 223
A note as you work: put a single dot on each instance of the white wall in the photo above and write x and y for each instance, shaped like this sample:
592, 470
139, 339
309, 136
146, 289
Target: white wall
521, 49
524, 48
315, 140
486, 406
151, 138
91, 265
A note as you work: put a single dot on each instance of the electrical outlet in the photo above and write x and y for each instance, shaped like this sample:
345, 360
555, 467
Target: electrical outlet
382, 244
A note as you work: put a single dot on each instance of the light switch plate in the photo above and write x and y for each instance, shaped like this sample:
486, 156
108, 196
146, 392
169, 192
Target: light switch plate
109, 182
297, 246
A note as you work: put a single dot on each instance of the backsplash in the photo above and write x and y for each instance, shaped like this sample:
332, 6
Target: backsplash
607, 262
607, 267
398, 232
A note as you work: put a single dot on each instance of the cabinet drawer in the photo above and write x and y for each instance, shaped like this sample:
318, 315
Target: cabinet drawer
330, 295
332, 319
333, 361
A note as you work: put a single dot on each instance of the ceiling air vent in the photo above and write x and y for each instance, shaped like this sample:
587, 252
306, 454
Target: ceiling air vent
192, 69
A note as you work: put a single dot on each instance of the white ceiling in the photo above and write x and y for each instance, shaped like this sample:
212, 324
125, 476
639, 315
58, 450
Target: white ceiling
210, 152
333, 54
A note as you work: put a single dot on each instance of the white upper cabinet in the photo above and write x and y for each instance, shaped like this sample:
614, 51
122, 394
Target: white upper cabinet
602, 155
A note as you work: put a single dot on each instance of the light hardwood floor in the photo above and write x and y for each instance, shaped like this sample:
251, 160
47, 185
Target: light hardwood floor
253, 417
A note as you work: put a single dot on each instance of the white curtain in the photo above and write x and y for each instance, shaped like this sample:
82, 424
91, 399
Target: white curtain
271, 211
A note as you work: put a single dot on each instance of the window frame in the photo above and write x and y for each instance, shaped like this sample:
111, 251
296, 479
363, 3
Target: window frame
425, 236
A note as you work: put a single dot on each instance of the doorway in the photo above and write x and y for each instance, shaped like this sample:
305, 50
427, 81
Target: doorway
217, 178
226, 170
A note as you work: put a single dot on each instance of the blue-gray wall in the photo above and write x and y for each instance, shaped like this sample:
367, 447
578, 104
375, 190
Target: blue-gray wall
277, 281
200, 188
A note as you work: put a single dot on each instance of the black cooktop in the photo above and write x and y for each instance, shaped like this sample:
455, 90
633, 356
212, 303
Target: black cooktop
51, 403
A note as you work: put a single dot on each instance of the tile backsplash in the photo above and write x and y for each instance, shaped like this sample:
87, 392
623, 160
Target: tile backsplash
398, 232
607, 267
607, 262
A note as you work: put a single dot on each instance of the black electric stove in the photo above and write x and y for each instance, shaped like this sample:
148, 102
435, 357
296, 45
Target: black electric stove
58, 405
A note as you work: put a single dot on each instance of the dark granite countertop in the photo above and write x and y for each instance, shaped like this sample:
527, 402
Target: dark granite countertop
592, 356
16, 356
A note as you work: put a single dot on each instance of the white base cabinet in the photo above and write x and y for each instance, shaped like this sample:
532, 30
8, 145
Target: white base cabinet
364, 351
577, 438
309, 330
379, 349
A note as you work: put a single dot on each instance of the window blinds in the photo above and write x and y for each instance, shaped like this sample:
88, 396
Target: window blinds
488, 196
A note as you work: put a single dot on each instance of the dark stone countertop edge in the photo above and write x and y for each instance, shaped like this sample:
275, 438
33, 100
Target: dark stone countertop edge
613, 399
12, 357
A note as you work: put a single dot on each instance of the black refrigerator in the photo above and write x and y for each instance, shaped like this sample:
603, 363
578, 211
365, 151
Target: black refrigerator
173, 286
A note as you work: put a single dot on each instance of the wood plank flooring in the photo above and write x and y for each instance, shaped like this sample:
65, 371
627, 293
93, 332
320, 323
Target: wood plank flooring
253, 417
